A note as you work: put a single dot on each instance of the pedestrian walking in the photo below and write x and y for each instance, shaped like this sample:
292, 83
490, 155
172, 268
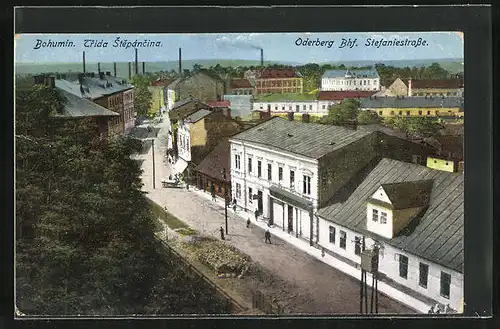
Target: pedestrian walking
222, 234
267, 235
234, 205
248, 222
256, 214
212, 188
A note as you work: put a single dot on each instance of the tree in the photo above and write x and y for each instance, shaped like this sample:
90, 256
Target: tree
143, 97
368, 117
415, 127
339, 113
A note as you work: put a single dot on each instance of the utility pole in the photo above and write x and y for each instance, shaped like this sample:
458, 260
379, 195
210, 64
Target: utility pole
153, 150
225, 195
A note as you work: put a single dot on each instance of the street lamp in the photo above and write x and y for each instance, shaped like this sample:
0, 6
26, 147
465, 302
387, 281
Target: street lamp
225, 195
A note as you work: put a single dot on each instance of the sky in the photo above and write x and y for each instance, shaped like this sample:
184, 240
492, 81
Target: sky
280, 47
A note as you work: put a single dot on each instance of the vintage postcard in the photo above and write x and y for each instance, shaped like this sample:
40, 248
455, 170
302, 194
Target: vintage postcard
239, 173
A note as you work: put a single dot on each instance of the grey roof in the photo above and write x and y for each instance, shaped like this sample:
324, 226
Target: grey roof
436, 234
198, 115
174, 83
307, 139
76, 107
372, 73
404, 195
411, 102
94, 88
183, 102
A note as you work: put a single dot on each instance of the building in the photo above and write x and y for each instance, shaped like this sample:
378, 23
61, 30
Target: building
110, 92
276, 81
284, 103
198, 133
223, 106
241, 87
157, 104
241, 106
342, 80
202, 85
209, 173
414, 216
396, 88
414, 106
446, 87
329, 98
185, 108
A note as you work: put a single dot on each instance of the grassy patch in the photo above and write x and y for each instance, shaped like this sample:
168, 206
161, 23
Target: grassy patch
187, 231
285, 97
169, 219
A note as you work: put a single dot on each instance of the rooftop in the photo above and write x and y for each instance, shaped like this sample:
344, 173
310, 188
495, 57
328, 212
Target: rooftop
307, 139
284, 97
436, 235
438, 84
78, 107
412, 102
279, 74
93, 86
198, 115
370, 73
240, 83
219, 103
341, 95
213, 163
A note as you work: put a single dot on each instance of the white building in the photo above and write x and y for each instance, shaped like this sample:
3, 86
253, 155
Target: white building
343, 80
415, 215
281, 168
309, 106
170, 98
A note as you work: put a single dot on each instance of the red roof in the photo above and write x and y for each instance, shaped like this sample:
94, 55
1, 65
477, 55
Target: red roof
278, 73
439, 84
161, 82
240, 83
219, 104
341, 95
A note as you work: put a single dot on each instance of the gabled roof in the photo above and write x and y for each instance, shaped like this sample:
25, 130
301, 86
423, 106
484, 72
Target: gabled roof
412, 102
437, 84
93, 86
198, 115
311, 140
240, 83
405, 195
436, 234
219, 103
78, 107
341, 95
370, 74
185, 107
215, 161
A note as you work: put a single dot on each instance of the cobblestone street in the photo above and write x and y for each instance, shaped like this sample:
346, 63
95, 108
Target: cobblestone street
328, 290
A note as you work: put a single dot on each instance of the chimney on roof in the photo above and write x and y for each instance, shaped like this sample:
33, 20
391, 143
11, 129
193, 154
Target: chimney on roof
39, 79
114, 69
180, 62
262, 57
136, 62
83, 62
99, 68
101, 75
410, 92
290, 116
51, 81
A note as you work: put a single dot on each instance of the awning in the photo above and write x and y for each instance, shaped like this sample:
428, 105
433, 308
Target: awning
180, 166
290, 198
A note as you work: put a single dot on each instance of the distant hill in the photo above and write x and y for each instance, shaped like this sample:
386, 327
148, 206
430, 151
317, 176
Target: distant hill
453, 65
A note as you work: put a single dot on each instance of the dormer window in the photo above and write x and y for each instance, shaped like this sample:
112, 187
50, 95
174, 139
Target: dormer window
383, 218
375, 215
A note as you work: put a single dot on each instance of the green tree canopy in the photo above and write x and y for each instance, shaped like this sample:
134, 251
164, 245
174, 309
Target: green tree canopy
339, 113
368, 117
415, 127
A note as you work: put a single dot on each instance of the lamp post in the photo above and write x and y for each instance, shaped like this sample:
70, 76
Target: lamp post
153, 150
225, 195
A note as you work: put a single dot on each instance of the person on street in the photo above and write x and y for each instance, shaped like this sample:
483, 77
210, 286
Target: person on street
222, 234
256, 214
267, 235
234, 205
212, 188
248, 222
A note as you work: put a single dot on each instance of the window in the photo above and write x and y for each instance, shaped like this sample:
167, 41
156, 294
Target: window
290, 107
445, 284
408, 113
292, 179
323, 107
379, 112
400, 112
424, 274
276, 108
383, 217
249, 165
375, 215
419, 112
310, 107
237, 161
280, 173
403, 266
250, 195
269, 171
259, 168
283, 108
332, 234
238, 190
306, 188
428, 112
304, 107
297, 108
343, 239
392, 112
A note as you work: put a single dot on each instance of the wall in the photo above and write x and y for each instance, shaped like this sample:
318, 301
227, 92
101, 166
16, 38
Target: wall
338, 167
400, 149
184, 141
415, 112
436, 91
444, 165
241, 106
128, 109
385, 230
200, 86
198, 133
338, 84
288, 106
113, 103
279, 86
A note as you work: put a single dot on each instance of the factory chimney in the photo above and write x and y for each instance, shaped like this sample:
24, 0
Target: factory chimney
136, 62
114, 68
129, 70
98, 68
83, 62
180, 62
143, 67
261, 57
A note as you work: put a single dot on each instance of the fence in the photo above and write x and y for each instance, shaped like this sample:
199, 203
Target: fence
232, 305
261, 302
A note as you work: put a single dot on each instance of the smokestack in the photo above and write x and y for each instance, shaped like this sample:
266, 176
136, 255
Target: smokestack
143, 67
83, 62
262, 57
114, 68
129, 70
99, 68
180, 62
409, 88
136, 62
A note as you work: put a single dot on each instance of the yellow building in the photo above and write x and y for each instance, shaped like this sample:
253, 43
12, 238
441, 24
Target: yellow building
441, 164
414, 106
157, 99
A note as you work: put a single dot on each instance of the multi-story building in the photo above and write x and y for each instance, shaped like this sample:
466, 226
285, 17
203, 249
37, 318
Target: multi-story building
421, 106
413, 215
276, 81
241, 87
329, 98
209, 175
446, 87
108, 92
342, 80
202, 85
